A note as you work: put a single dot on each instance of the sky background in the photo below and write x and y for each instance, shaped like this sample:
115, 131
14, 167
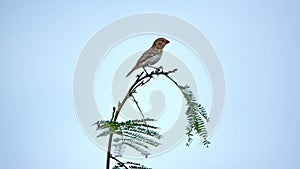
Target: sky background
257, 43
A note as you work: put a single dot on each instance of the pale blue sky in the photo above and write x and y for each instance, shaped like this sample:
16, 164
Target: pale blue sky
258, 46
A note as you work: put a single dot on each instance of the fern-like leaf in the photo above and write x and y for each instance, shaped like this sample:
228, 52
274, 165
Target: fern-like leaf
133, 133
196, 117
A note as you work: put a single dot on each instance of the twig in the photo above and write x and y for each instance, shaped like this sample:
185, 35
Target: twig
122, 164
140, 110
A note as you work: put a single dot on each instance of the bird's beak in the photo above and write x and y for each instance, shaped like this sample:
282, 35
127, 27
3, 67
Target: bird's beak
167, 41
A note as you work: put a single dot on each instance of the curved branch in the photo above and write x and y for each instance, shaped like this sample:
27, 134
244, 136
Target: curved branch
140, 81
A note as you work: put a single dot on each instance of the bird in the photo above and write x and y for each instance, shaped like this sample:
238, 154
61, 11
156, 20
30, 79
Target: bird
151, 56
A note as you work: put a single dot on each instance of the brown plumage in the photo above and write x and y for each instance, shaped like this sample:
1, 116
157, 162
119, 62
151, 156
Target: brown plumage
152, 55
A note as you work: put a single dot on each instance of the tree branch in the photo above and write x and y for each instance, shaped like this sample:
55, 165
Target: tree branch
140, 81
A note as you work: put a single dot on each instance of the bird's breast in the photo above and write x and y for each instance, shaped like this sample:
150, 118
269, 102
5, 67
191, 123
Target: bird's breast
154, 59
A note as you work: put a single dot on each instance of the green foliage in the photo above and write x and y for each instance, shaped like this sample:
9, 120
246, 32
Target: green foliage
196, 116
133, 133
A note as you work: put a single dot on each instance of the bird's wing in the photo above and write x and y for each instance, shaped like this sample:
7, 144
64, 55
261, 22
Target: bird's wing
148, 54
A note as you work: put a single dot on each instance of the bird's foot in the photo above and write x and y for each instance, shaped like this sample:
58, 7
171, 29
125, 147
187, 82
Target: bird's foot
159, 69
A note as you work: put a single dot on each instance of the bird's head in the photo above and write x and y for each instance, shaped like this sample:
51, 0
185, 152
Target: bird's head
160, 43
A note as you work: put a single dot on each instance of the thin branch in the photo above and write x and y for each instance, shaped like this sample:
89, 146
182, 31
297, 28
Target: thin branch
113, 113
122, 164
140, 110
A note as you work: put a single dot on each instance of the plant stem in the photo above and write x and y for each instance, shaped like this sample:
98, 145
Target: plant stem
138, 82
130, 91
108, 156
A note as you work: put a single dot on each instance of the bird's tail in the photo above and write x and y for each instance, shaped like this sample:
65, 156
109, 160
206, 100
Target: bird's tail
133, 69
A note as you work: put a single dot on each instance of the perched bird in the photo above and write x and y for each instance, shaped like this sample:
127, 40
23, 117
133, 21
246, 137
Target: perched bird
151, 56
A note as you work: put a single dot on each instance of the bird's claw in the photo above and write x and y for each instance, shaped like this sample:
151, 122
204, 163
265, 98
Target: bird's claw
160, 68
